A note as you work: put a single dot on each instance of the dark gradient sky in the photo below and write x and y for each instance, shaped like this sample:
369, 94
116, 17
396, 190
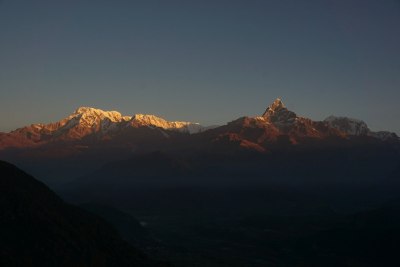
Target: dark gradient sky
204, 61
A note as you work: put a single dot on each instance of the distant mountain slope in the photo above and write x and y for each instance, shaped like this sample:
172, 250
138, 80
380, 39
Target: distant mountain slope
357, 127
38, 229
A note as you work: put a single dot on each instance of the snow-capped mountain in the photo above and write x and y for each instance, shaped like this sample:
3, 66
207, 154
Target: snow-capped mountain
348, 125
355, 127
87, 122
277, 113
84, 121
279, 127
276, 126
151, 120
287, 121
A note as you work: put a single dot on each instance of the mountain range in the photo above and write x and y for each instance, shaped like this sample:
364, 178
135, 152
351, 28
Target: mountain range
89, 138
87, 121
257, 191
90, 125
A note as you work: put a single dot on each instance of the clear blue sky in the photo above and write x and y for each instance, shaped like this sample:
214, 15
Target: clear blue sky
203, 61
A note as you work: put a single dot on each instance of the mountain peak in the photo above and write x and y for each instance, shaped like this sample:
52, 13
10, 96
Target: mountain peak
277, 104
84, 112
91, 110
152, 120
277, 112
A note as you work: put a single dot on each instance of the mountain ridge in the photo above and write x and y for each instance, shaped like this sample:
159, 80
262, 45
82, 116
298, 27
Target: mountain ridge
96, 125
87, 121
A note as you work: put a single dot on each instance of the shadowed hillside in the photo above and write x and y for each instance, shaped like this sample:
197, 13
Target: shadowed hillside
38, 229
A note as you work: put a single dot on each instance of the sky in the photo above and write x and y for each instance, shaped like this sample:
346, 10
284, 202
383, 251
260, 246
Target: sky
202, 61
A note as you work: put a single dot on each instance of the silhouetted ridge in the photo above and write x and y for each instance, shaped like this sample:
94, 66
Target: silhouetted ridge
38, 229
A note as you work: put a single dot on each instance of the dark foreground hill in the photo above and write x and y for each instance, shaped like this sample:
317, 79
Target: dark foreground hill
38, 229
